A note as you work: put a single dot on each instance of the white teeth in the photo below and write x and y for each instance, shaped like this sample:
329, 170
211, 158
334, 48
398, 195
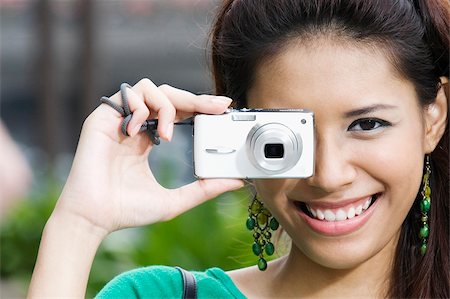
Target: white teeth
341, 215
351, 213
329, 216
311, 211
320, 215
358, 210
367, 204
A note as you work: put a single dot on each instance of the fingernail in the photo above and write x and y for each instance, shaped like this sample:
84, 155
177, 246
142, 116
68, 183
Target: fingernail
222, 100
169, 131
135, 130
241, 184
237, 184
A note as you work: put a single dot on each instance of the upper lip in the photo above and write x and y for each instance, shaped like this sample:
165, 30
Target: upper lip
334, 203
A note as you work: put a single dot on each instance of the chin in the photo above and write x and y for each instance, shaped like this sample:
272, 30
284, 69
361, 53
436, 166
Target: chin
341, 254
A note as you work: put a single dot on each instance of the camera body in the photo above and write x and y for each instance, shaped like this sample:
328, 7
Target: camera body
254, 143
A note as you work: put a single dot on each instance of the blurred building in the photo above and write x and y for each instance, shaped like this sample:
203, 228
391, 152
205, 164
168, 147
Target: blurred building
59, 57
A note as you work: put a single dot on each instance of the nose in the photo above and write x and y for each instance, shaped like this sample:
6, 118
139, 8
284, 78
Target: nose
334, 168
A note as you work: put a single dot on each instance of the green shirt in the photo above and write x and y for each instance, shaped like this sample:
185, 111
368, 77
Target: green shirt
166, 282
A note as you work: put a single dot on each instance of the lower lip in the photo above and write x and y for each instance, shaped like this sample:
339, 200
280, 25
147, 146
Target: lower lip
338, 228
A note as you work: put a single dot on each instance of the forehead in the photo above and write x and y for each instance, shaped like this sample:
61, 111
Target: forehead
325, 72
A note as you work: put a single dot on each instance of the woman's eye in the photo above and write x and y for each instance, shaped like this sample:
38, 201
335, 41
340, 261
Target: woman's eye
367, 124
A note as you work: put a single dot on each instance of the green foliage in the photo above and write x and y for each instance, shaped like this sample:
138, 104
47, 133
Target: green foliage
20, 232
211, 235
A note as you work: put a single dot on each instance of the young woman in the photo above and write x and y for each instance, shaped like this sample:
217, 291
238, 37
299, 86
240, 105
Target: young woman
373, 219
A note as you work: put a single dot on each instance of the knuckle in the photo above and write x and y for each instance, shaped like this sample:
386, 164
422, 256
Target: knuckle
205, 192
139, 101
141, 113
170, 109
145, 82
197, 103
145, 114
165, 88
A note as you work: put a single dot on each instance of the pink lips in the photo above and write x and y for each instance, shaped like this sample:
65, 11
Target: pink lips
337, 228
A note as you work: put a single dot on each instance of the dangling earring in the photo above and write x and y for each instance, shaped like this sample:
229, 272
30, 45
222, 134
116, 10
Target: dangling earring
261, 221
425, 205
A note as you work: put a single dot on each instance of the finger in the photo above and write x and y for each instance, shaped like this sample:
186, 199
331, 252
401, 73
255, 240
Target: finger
192, 195
140, 112
136, 106
158, 101
188, 102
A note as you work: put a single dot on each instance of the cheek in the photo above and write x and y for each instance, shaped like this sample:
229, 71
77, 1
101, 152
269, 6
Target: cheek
270, 188
397, 164
272, 192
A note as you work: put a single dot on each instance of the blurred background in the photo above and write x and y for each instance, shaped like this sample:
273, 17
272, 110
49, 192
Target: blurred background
57, 58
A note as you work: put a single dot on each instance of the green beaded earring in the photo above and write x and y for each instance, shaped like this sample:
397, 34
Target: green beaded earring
425, 205
261, 221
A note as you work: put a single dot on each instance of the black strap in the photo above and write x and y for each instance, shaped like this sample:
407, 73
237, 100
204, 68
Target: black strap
189, 284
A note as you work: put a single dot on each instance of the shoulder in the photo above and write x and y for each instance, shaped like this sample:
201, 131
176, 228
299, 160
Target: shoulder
215, 283
256, 283
166, 282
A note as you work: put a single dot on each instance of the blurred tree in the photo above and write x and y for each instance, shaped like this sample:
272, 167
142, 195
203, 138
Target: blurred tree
87, 56
44, 74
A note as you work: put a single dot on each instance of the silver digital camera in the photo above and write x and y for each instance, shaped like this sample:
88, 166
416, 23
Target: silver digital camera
254, 143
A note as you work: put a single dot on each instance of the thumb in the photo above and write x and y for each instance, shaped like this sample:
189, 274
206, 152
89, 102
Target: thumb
193, 194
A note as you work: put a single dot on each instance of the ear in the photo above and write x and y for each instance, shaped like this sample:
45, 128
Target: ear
436, 117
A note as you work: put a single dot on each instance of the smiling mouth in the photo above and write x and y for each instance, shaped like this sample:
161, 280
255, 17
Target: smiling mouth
340, 214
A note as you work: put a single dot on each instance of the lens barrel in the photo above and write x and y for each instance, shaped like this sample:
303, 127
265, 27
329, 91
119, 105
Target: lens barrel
273, 147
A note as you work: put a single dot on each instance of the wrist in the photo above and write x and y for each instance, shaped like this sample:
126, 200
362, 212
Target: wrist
68, 247
76, 225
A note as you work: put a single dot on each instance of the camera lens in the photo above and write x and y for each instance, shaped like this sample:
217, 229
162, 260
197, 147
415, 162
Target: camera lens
273, 147
274, 150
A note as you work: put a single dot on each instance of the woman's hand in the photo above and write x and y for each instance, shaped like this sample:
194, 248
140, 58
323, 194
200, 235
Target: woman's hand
111, 185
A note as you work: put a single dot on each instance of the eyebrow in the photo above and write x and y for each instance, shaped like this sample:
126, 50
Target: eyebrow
368, 109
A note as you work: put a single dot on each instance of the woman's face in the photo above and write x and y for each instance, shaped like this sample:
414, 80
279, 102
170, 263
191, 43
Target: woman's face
369, 150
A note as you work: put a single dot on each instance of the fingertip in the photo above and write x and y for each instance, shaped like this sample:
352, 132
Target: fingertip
215, 105
136, 122
165, 131
222, 100
229, 184
135, 130
139, 114
237, 184
169, 131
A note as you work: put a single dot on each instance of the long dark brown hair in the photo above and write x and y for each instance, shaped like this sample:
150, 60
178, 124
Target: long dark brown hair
414, 36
